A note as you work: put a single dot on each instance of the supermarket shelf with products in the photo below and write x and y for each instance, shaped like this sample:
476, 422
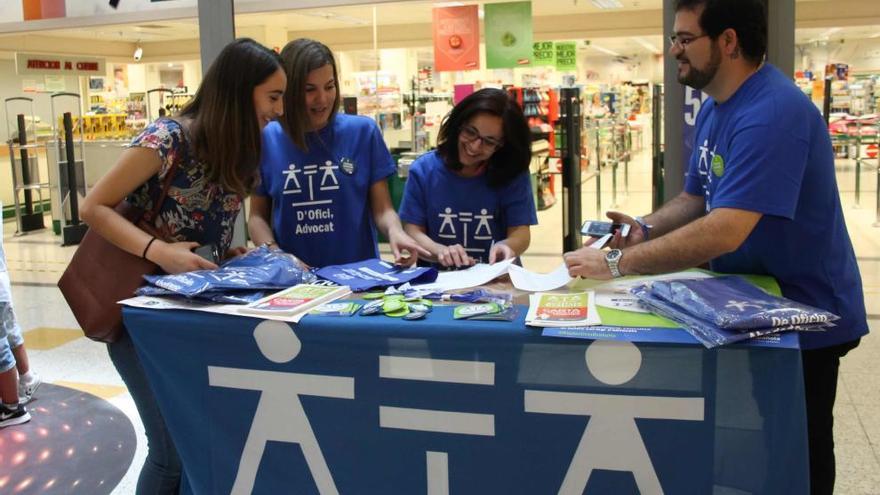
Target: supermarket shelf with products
541, 108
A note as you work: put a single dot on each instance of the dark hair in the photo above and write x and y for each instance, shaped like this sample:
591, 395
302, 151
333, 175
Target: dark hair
508, 161
748, 18
224, 132
300, 57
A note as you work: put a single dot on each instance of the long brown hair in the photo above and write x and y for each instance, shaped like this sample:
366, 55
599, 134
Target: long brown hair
300, 57
223, 130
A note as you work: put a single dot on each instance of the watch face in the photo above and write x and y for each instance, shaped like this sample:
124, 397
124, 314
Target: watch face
613, 255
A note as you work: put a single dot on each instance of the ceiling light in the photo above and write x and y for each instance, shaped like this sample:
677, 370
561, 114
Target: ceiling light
138, 53
607, 4
330, 16
646, 45
604, 50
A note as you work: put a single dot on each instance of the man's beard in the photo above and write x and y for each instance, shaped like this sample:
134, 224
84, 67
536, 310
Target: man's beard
699, 79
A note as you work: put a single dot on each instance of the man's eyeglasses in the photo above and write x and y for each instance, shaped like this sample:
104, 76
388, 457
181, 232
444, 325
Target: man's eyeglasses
682, 42
470, 134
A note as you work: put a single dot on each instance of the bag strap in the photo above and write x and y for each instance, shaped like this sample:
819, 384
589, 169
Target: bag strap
169, 176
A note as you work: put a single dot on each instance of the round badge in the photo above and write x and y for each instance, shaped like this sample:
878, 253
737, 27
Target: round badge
347, 166
718, 165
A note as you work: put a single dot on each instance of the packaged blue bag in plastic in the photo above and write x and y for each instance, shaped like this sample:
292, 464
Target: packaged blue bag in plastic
706, 332
258, 269
368, 274
216, 297
732, 303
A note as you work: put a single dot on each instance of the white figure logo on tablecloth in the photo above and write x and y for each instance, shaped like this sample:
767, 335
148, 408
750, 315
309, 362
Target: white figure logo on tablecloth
280, 416
612, 418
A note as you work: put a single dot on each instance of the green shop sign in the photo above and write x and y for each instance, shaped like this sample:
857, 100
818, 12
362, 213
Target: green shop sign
566, 56
544, 53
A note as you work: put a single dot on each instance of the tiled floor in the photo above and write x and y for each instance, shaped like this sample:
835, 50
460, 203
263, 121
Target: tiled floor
63, 357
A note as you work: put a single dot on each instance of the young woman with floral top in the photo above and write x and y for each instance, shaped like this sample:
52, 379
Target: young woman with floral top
215, 143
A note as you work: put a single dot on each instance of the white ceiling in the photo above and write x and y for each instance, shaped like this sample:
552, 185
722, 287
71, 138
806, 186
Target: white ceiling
409, 12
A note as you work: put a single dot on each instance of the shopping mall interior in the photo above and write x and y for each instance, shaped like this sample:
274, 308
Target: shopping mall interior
149, 56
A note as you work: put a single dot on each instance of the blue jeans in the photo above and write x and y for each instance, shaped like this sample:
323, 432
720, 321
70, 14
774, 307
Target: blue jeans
161, 471
10, 331
10, 336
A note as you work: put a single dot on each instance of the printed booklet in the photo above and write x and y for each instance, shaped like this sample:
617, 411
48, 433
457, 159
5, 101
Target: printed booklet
295, 300
547, 309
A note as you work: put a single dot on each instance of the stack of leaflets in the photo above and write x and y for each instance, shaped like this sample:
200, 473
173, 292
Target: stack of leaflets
722, 310
295, 300
577, 309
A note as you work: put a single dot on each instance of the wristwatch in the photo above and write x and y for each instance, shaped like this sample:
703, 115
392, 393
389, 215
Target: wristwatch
613, 260
646, 228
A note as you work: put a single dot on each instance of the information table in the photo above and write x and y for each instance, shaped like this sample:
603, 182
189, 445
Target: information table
376, 405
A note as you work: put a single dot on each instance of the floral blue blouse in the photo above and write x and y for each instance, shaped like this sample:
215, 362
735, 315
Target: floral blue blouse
195, 209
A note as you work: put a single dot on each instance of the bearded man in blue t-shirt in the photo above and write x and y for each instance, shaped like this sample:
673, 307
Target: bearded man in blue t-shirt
760, 197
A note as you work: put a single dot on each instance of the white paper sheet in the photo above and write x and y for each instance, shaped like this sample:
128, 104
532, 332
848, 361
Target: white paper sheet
538, 282
477, 275
151, 302
615, 294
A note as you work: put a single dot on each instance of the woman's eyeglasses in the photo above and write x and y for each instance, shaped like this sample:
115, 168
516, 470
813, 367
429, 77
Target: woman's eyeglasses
470, 134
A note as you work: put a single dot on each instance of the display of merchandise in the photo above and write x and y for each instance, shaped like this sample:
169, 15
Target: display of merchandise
541, 109
381, 101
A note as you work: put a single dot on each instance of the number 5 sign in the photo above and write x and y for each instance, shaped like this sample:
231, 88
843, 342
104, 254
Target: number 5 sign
693, 100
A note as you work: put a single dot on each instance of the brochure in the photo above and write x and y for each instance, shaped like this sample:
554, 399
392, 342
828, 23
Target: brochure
294, 300
547, 309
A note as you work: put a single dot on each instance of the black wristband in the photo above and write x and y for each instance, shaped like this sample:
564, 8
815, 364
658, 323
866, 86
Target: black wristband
147, 248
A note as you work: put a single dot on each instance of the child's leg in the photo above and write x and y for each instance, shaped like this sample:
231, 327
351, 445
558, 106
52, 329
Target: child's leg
21, 359
8, 375
9, 386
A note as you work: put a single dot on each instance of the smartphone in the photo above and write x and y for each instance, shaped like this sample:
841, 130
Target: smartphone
210, 252
598, 229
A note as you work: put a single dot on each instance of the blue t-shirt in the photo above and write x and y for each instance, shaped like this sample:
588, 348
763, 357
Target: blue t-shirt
320, 199
466, 211
767, 150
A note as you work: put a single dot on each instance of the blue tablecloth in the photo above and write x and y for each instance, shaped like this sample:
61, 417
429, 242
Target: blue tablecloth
365, 405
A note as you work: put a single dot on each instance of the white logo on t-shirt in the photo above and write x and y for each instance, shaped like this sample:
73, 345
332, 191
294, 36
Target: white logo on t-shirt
328, 182
482, 232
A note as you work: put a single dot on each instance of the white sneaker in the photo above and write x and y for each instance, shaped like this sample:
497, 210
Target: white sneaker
27, 389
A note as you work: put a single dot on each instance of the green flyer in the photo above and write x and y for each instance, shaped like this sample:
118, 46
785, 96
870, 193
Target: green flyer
566, 56
544, 53
508, 34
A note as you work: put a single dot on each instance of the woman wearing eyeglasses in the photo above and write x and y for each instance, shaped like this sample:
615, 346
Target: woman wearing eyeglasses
470, 200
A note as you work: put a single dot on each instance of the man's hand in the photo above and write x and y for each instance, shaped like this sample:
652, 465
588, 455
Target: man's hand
587, 262
636, 236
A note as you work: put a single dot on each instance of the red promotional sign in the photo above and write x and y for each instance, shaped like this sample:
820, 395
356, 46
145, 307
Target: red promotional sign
456, 38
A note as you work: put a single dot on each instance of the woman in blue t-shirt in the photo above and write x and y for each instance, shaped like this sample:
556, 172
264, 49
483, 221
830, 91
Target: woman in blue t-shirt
471, 199
324, 192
